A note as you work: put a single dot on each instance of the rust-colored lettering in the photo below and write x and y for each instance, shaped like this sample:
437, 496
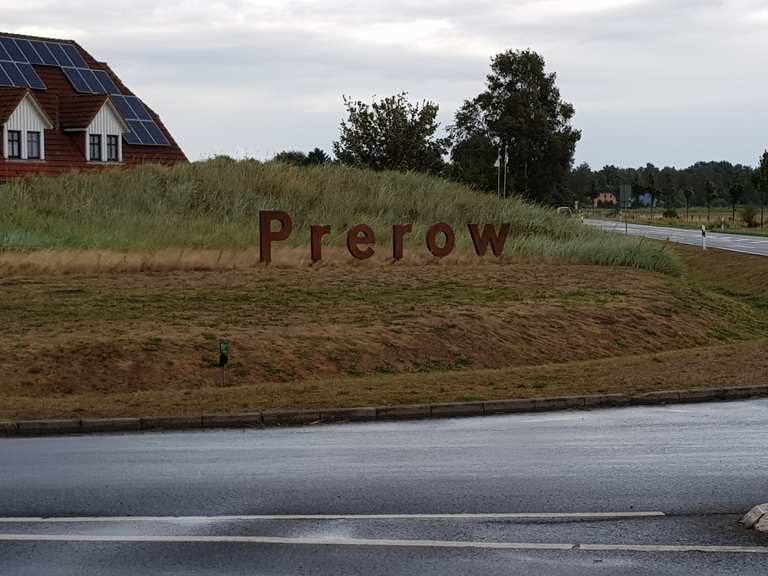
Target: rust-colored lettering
267, 236
450, 240
316, 234
398, 231
489, 236
357, 235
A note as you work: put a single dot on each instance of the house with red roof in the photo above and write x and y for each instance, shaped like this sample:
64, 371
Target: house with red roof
62, 110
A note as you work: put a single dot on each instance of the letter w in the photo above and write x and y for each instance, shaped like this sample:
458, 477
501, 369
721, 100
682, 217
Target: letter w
489, 236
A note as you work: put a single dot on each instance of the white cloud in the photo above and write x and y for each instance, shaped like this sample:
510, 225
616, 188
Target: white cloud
668, 81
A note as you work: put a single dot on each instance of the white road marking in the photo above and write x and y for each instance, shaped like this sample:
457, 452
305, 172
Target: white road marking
384, 543
512, 516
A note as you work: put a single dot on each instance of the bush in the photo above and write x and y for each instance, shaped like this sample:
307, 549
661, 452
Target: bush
670, 213
749, 217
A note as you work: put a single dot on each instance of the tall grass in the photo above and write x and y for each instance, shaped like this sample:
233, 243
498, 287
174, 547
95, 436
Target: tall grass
214, 205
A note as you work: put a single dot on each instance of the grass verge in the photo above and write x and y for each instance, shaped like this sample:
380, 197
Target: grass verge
115, 343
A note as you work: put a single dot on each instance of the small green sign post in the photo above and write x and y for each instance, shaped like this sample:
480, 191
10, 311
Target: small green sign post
223, 352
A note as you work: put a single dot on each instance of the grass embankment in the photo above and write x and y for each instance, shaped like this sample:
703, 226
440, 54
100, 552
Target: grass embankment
106, 320
158, 212
145, 343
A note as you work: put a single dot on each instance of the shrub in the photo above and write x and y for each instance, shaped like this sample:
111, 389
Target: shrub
749, 217
670, 213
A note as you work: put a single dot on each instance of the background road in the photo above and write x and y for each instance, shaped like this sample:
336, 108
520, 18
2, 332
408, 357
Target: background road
734, 242
697, 467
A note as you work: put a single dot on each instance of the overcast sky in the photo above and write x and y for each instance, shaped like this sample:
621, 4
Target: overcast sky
663, 81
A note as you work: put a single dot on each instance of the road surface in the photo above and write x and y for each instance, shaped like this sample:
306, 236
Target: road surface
650, 490
735, 242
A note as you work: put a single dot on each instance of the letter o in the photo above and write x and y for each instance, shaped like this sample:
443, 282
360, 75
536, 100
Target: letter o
450, 240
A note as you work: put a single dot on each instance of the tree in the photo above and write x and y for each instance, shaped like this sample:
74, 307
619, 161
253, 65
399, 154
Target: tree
688, 194
317, 157
291, 157
649, 183
710, 195
580, 182
521, 109
761, 184
735, 193
391, 134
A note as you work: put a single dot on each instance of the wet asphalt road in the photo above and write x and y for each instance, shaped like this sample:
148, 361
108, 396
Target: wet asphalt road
697, 468
757, 245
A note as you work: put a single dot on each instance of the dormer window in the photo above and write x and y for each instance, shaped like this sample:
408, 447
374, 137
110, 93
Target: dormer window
23, 131
34, 149
94, 143
14, 144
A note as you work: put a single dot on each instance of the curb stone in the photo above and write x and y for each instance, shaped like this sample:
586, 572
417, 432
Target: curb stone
364, 414
757, 518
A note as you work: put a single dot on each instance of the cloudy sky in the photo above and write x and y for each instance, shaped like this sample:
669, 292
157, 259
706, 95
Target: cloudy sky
663, 81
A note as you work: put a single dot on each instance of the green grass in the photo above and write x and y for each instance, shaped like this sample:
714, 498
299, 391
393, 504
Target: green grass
215, 204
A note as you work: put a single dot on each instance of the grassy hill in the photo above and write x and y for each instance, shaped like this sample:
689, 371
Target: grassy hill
117, 287
215, 204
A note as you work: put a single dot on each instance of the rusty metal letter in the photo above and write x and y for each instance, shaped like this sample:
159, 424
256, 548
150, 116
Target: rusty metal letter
360, 234
450, 240
489, 236
316, 236
398, 231
267, 236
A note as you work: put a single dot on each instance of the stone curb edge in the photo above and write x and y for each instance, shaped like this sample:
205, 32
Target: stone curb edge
757, 518
405, 412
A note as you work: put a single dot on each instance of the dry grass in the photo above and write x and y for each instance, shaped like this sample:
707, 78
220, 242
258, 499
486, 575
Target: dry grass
739, 364
140, 336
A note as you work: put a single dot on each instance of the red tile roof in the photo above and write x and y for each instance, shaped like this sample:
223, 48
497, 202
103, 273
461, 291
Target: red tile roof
77, 112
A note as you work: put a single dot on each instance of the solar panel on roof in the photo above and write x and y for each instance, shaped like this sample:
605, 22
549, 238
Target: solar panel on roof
138, 107
74, 55
131, 138
12, 49
106, 82
33, 80
44, 52
4, 54
137, 127
156, 133
14, 74
124, 108
29, 51
4, 80
76, 80
58, 52
90, 79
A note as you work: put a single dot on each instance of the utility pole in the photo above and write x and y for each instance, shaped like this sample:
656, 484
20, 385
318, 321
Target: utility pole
497, 165
506, 162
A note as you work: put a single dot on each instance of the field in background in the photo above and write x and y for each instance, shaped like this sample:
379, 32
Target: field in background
720, 219
214, 205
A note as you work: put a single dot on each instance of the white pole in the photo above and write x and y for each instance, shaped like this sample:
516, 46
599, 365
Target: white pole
703, 237
506, 158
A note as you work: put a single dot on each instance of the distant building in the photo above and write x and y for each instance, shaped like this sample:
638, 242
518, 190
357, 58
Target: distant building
62, 110
605, 198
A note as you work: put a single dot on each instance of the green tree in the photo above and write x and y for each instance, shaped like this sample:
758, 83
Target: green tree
688, 195
735, 193
391, 134
291, 157
317, 157
710, 195
521, 109
760, 178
